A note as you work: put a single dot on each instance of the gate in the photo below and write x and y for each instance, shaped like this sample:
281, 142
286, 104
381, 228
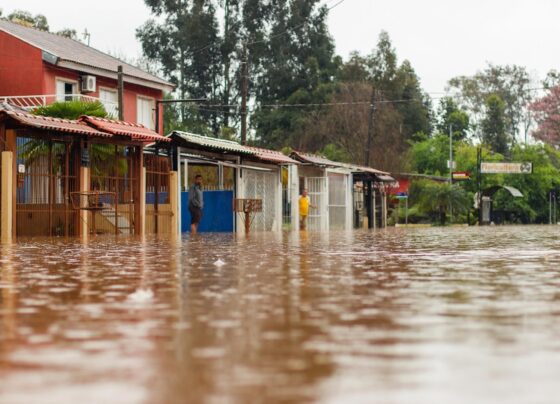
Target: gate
338, 187
46, 175
113, 170
158, 207
317, 191
262, 185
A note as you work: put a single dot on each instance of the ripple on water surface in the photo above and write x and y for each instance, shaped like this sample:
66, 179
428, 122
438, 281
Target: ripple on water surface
431, 315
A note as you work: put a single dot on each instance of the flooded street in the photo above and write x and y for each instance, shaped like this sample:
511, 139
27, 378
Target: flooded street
455, 315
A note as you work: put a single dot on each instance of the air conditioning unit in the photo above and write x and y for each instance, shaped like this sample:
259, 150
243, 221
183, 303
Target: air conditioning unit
88, 84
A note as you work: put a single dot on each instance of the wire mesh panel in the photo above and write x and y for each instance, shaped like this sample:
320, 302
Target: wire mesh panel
317, 189
113, 170
262, 185
158, 206
46, 176
337, 201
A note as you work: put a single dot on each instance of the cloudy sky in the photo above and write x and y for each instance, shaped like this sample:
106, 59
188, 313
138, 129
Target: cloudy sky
442, 38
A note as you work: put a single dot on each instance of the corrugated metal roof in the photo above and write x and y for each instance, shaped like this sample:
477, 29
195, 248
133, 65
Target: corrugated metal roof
212, 143
121, 128
314, 159
55, 124
324, 162
74, 51
365, 169
272, 156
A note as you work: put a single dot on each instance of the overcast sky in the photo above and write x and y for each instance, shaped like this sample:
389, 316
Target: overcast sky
442, 38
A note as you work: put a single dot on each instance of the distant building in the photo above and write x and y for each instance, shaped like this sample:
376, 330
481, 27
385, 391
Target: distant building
38, 68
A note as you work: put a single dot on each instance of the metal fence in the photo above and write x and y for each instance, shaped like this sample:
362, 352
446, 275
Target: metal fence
262, 185
337, 201
158, 207
316, 188
46, 175
113, 170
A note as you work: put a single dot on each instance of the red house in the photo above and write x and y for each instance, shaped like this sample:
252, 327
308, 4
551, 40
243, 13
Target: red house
38, 68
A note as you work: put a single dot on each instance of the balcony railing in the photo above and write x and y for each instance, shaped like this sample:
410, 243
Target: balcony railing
29, 102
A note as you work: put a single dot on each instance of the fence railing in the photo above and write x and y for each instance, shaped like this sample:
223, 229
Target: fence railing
34, 101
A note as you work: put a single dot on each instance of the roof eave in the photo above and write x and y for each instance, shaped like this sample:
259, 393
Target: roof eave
68, 64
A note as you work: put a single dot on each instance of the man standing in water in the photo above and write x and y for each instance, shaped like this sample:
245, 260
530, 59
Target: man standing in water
196, 203
304, 205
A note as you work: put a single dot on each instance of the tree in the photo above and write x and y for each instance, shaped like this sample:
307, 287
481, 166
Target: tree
494, 125
450, 115
402, 113
298, 67
72, 109
511, 83
68, 33
546, 112
437, 198
38, 21
186, 47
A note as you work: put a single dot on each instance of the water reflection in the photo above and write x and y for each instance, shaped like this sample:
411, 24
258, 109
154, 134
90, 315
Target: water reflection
427, 315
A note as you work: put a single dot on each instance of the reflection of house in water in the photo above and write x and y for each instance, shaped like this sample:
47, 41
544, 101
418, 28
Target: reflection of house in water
48, 161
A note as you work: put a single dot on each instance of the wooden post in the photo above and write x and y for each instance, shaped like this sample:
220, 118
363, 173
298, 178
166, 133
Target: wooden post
142, 202
247, 221
11, 145
85, 179
7, 186
120, 91
174, 201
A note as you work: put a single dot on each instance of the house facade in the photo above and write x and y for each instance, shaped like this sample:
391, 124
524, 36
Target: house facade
38, 68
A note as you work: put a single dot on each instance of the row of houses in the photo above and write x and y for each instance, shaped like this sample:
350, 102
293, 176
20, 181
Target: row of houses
66, 178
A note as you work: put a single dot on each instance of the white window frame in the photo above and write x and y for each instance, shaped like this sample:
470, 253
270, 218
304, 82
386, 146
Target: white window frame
62, 97
153, 102
113, 110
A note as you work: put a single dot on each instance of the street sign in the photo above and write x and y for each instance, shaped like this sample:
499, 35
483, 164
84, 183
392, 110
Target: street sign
451, 164
401, 195
506, 168
461, 176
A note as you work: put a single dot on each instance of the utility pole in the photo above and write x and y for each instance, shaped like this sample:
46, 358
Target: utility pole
451, 153
370, 126
244, 94
479, 182
120, 91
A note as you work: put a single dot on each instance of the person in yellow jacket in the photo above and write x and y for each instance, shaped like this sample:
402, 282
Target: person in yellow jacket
304, 205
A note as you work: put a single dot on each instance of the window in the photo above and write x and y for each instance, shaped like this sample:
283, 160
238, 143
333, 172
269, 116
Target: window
65, 89
109, 99
145, 112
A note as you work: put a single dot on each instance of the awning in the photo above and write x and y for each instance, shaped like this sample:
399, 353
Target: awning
192, 158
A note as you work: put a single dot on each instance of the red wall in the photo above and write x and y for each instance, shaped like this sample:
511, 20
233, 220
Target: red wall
131, 91
21, 67
23, 72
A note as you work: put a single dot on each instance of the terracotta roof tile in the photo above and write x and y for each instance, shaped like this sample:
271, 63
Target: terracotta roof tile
272, 156
122, 128
56, 124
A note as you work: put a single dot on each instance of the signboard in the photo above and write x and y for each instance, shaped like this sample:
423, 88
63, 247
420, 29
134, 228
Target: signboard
451, 164
506, 168
461, 176
21, 169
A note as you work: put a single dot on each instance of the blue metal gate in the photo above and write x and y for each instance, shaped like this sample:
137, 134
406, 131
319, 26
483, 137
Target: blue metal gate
217, 215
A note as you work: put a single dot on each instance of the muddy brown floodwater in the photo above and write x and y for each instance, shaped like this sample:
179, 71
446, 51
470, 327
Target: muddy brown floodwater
457, 315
